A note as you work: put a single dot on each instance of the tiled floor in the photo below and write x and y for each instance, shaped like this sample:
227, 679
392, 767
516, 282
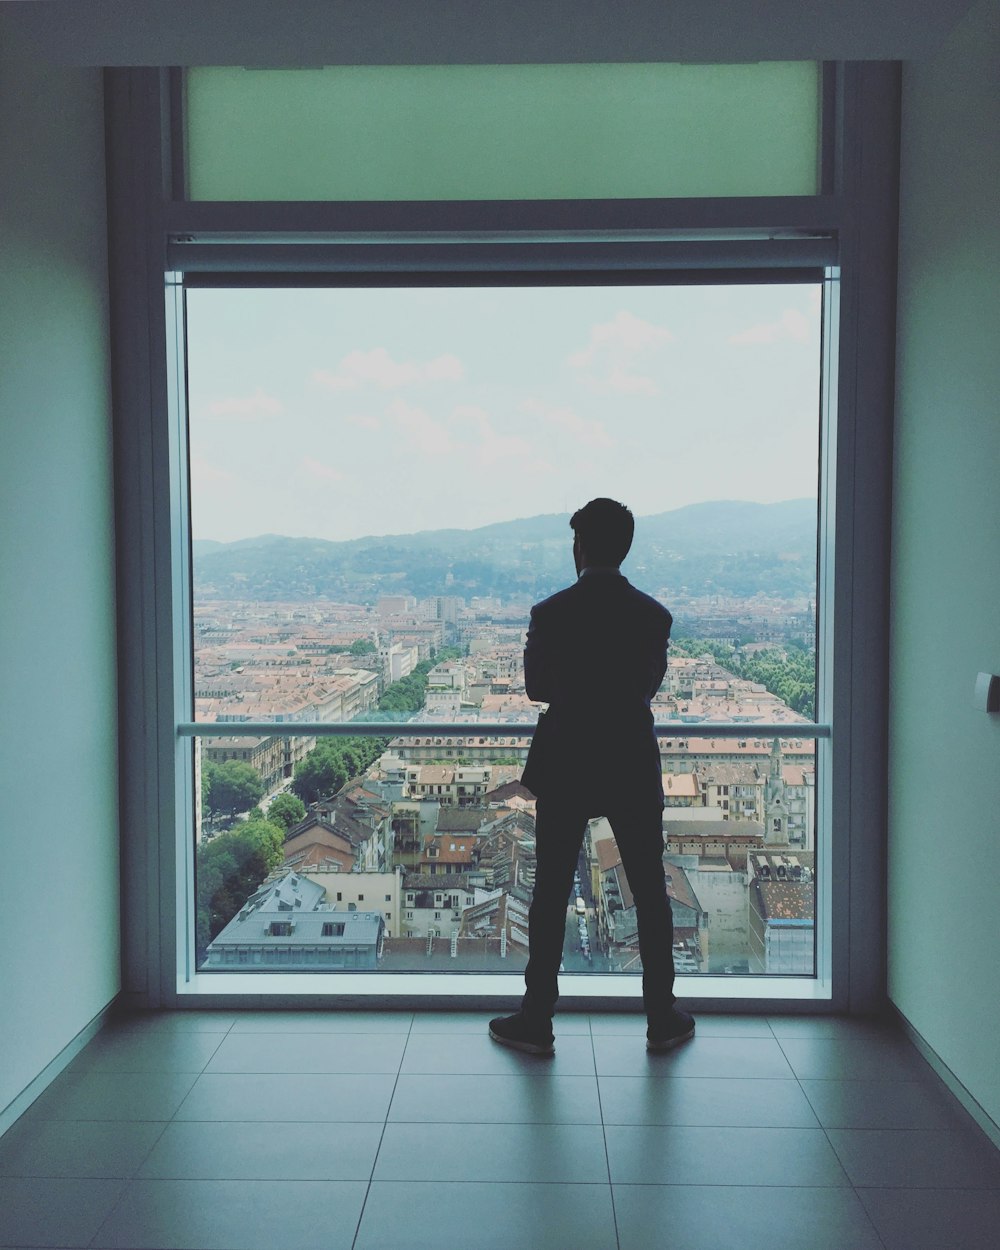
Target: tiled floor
392, 1130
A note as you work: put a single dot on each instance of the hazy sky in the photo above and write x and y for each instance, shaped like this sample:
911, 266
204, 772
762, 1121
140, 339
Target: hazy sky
338, 413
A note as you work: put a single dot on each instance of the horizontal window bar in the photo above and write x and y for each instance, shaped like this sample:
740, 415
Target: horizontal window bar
501, 277
477, 257
482, 729
482, 991
815, 213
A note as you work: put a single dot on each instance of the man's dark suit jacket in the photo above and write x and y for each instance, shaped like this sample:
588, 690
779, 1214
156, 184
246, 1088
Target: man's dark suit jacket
596, 653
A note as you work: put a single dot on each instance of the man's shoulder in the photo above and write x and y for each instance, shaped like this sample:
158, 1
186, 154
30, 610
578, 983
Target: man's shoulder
648, 604
561, 599
570, 598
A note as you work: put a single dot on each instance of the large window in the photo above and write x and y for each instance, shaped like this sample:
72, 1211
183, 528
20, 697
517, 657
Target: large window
676, 288
380, 484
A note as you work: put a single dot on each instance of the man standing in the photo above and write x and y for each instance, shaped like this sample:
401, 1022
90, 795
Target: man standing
596, 654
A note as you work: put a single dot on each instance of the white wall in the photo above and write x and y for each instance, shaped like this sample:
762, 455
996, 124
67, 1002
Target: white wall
944, 782
59, 957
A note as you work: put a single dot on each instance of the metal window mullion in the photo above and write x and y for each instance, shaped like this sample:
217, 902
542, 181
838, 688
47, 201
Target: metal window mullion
813, 214
482, 258
415, 729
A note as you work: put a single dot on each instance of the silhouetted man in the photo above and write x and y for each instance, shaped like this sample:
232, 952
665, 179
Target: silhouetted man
596, 653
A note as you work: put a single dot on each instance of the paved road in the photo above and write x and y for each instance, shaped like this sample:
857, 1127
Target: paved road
573, 957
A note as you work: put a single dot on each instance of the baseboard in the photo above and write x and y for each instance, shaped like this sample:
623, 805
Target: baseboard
15, 1109
981, 1117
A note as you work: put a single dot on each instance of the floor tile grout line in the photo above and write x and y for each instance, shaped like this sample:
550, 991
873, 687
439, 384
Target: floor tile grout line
128, 1181
385, 1125
604, 1138
836, 1155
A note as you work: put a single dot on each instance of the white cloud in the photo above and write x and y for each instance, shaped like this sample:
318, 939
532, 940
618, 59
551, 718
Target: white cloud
205, 475
365, 421
425, 434
245, 407
325, 472
625, 334
605, 364
792, 324
492, 447
590, 433
377, 368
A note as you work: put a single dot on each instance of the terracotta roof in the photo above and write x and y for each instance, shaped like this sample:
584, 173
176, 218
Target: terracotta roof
785, 900
679, 887
608, 854
684, 785
461, 819
718, 830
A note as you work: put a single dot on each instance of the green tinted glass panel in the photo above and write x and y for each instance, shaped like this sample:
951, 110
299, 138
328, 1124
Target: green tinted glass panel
498, 132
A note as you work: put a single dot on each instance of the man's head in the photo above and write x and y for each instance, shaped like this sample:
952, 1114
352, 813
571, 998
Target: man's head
603, 532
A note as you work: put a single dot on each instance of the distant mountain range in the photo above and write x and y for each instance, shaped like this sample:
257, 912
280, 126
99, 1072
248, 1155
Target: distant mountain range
725, 547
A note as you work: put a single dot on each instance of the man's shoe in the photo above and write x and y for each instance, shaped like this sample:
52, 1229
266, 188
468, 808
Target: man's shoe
519, 1033
670, 1032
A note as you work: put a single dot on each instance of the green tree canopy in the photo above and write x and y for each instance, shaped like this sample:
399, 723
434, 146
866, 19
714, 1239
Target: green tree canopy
229, 868
286, 810
332, 763
232, 786
362, 646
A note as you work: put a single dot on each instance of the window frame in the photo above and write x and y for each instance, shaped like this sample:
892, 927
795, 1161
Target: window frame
151, 230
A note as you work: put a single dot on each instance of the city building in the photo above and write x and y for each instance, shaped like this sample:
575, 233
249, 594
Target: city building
781, 916
288, 925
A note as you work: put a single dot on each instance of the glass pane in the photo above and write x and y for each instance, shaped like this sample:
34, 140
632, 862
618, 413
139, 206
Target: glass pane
381, 483
502, 132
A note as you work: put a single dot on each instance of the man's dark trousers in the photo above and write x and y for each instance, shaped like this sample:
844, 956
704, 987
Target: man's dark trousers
559, 834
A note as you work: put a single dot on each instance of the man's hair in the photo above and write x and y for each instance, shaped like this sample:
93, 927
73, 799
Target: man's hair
604, 528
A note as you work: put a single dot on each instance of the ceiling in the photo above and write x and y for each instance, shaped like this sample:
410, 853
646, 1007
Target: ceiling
351, 32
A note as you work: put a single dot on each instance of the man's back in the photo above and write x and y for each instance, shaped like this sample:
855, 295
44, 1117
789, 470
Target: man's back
596, 653
598, 644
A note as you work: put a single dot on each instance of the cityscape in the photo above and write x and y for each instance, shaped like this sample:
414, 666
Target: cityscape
381, 484
416, 853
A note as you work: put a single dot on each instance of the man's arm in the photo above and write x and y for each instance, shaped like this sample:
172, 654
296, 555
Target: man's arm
538, 676
660, 666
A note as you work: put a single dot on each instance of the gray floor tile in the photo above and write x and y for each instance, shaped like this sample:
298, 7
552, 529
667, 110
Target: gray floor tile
705, 1101
900, 1158
934, 1219
276, 1152
48, 1212
224, 1215
113, 1096
515, 1099
77, 1148
174, 1050
567, 1023
833, 1026
432, 1054
481, 1216
332, 1097
174, 1021
493, 1152
721, 1156
717, 1217
705, 1026
743, 1057
309, 1052
884, 1104
856, 1059
323, 1022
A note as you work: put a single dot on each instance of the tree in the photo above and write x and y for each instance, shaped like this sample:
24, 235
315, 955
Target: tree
229, 868
320, 774
286, 810
330, 765
233, 786
362, 646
